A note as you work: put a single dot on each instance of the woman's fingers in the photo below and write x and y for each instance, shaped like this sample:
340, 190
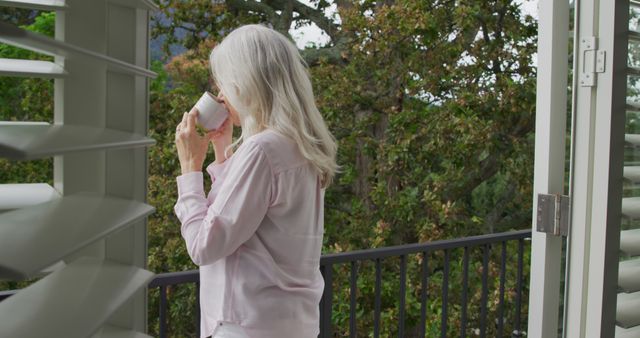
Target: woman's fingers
218, 132
220, 129
191, 120
184, 119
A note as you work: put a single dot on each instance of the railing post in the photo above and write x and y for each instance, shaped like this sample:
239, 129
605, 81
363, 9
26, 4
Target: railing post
503, 270
327, 301
517, 332
465, 286
376, 311
403, 293
163, 311
424, 294
485, 291
445, 295
198, 309
352, 294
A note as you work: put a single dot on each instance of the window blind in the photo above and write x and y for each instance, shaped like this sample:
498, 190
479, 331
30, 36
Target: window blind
87, 233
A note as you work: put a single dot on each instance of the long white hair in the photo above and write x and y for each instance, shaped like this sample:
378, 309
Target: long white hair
262, 75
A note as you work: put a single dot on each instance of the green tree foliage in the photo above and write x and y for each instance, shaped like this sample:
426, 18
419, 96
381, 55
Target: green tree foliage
432, 104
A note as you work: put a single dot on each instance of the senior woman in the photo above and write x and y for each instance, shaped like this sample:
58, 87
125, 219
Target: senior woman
257, 234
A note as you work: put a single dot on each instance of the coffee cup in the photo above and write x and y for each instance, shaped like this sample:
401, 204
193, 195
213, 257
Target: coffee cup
211, 113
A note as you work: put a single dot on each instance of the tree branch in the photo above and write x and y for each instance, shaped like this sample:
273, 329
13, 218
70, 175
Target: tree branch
493, 163
251, 5
282, 23
333, 55
317, 16
286, 17
492, 217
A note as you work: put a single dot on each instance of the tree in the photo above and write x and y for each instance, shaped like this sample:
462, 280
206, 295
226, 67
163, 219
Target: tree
435, 133
432, 104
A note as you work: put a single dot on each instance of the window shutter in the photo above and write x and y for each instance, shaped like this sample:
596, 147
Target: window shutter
628, 299
87, 233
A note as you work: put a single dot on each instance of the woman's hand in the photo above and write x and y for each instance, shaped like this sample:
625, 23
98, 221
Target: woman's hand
192, 148
221, 139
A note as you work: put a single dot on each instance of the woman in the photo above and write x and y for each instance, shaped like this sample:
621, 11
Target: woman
257, 235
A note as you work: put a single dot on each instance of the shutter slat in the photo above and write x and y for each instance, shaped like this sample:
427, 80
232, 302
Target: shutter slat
46, 5
633, 332
15, 196
629, 275
28, 142
30, 68
140, 4
633, 106
36, 237
73, 302
630, 242
628, 310
22, 38
24, 123
52, 268
631, 207
635, 71
110, 331
634, 36
632, 174
632, 140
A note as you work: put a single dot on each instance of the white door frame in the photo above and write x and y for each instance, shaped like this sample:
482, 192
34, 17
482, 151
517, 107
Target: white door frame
597, 150
551, 116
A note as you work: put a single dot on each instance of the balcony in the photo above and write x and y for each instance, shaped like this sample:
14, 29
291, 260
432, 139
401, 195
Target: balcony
475, 286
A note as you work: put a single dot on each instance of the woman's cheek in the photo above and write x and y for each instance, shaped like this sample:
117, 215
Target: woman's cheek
234, 117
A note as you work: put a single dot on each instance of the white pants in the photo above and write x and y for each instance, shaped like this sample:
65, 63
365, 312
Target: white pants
228, 330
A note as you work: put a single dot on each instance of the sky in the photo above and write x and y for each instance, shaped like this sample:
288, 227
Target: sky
311, 34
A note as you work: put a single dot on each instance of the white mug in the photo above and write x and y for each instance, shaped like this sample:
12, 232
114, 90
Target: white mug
211, 113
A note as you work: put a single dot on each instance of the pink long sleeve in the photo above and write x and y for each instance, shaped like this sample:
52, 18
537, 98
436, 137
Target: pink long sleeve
257, 238
240, 204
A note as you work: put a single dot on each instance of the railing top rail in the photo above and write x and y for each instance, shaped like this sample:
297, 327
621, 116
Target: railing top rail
172, 278
398, 250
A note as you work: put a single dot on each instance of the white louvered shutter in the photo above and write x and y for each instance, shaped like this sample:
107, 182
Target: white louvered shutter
87, 233
628, 300
602, 271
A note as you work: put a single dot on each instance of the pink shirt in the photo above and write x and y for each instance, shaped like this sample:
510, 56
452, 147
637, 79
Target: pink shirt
257, 238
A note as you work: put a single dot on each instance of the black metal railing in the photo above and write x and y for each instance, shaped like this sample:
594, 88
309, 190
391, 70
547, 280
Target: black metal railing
425, 249
164, 280
356, 261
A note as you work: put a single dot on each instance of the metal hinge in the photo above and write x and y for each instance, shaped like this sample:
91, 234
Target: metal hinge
593, 61
553, 214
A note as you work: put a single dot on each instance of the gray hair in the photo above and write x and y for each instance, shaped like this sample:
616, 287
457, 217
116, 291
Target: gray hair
263, 76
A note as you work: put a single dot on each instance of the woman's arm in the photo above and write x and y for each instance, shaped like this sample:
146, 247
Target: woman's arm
214, 232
